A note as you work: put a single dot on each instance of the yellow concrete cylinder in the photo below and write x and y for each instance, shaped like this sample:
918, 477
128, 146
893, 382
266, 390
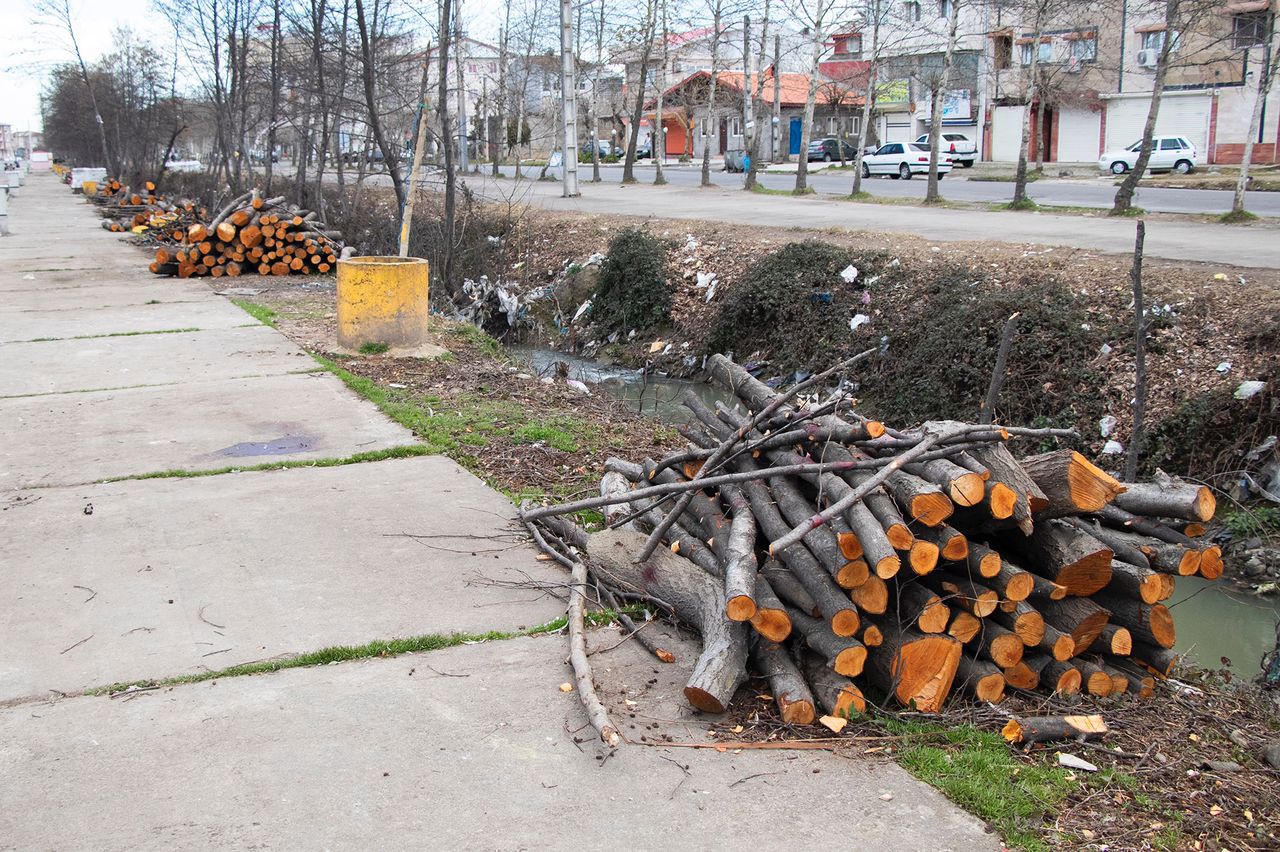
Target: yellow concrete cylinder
382, 300
89, 187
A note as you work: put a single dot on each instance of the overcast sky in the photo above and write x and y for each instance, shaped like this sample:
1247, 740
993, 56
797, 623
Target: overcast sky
31, 48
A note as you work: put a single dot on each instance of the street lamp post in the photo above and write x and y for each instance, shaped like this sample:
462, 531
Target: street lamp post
568, 102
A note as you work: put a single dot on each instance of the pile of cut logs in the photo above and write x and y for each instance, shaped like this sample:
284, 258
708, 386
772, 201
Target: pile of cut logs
250, 234
828, 552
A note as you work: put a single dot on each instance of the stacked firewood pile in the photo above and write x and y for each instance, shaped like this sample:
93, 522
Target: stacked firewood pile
829, 552
250, 234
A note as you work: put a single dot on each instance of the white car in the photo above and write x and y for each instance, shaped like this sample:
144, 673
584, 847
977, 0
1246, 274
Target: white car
960, 148
1168, 153
902, 160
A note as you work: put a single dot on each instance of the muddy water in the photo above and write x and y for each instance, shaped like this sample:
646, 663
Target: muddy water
1213, 619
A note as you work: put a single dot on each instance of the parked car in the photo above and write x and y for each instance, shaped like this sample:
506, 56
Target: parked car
960, 148
644, 150
1168, 153
902, 160
829, 149
604, 146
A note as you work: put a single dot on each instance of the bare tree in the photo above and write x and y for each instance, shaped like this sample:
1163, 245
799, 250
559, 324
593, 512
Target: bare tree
821, 10
59, 12
1266, 74
709, 123
939, 92
1037, 13
644, 35
660, 127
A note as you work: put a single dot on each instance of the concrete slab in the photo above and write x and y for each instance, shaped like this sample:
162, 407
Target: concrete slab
69, 439
100, 363
12, 280
466, 748
60, 324
193, 574
114, 294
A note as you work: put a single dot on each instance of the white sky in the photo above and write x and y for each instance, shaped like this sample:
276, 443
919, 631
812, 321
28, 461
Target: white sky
28, 48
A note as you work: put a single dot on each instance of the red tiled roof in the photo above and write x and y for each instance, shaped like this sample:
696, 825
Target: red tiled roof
793, 88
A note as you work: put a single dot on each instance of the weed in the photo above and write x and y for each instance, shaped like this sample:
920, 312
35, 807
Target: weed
110, 334
261, 313
632, 292
478, 339
372, 348
1024, 204
1131, 212
1237, 217
404, 452
1247, 522
549, 435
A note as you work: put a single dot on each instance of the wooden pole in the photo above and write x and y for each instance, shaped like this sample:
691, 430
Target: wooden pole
1139, 358
419, 148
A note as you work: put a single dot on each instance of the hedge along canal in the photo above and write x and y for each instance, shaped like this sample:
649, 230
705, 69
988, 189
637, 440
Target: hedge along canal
1214, 619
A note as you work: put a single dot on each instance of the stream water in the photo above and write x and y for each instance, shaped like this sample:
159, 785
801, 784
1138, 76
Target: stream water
1214, 619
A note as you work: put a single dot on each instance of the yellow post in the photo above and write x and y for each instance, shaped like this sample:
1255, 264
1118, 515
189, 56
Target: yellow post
382, 300
89, 187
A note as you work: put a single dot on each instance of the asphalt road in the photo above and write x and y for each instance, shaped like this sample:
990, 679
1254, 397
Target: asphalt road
1096, 192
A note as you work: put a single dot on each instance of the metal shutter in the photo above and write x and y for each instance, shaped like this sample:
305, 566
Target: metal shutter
1078, 135
1006, 133
1180, 115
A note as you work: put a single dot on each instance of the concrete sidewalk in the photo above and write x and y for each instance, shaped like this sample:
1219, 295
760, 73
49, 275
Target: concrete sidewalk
109, 372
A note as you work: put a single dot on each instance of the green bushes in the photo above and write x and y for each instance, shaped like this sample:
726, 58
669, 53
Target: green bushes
632, 291
793, 307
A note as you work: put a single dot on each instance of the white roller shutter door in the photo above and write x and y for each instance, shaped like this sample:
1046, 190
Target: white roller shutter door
1006, 133
1078, 135
1180, 115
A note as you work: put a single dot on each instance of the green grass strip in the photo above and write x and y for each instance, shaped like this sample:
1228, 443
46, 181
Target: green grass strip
110, 334
346, 653
404, 452
261, 313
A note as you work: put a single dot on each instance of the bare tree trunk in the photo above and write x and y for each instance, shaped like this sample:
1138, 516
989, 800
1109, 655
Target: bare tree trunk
660, 126
1139, 359
1124, 195
806, 132
1042, 138
1267, 71
935, 118
757, 103
637, 110
779, 154
709, 123
1020, 175
268, 164
368, 59
450, 176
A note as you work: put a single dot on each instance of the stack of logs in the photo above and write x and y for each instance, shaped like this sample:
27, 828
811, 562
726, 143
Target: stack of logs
250, 234
828, 552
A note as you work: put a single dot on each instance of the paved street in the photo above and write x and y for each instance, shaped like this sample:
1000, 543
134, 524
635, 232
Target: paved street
1250, 246
110, 373
1085, 189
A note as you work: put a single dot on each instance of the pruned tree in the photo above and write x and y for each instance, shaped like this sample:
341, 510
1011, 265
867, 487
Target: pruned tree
939, 92
1265, 72
816, 17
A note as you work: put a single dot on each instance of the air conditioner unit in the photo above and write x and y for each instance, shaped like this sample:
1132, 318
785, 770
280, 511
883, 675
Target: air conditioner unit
1148, 58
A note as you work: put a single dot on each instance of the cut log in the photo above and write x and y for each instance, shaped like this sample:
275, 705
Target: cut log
853, 574
881, 505
1119, 681
964, 593
1000, 500
1027, 623
964, 487
1159, 661
1011, 582
963, 625
788, 588
951, 543
738, 556
917, 669
790, 691
1079, 618
1056, 643
980, 679
1169, 497
1022, 676
1046, 590
920, 608
1072, 485
1151, 623
1067, 556
1114, 640
872, 596
1141, 683
1124, 548
844, 654
982, 560
1038, 729
1059, 676
698, 600
1156, 554
923, 501
836, 695
770, 620
1096, 681
923, 556
999, 645
874, 540
870, 635
1142, 583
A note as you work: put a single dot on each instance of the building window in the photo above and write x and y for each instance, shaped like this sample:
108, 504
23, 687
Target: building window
1154, 41
912, 10
1046, 52
1248, 30
944, 8
735, 127
848, 46
1084, 48
1002, 50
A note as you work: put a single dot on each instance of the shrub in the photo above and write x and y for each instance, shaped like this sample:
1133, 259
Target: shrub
792, 306
632, 291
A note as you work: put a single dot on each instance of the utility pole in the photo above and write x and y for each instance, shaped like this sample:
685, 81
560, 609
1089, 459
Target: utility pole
746, 97
569, 102
462, 90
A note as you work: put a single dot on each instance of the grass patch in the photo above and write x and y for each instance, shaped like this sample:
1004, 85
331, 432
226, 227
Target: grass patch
346, 653
1032, 177
975, 770
477, 338
1024, 204
110, 334
1132, 211
261, 313
1237, 217
861, 195
371, 348
408, 451
452, 428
